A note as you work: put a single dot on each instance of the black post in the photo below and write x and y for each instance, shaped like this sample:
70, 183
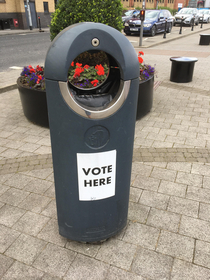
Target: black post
202, 21
192, 23
180, 30
39, 22
164, 35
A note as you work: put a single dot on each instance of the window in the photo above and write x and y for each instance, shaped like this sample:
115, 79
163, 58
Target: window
46, 9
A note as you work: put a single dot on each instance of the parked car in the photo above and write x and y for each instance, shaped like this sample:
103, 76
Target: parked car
187, 15
204, 16
154, 23
130, 14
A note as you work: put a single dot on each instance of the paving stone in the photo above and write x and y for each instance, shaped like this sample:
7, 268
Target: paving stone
198, 194
54, 260
183, 206
201, 169
154, 199
206, 182
171, 188
202, 253
5, 264
50, 210
10, 153
41, 174
86, 249
142, 235
204, 211
82, 268
138, 212
31, 223
35, 203
160, 173
117, 253
120, 274
9, 215
180, 166
13, 196
3, 188
195, 228
38, 186
146, 183
25, 249
163, 219
20, 271
141, 169
176, 245
18, 181
188, 271
7, 237
50, 277
189, 179
152, 265
50, 233
5, 177
135, 194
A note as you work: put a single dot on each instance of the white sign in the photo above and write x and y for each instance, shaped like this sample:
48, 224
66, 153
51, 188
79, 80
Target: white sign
180, 5
96, 175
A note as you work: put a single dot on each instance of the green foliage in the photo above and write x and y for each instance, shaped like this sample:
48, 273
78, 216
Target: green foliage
69, 12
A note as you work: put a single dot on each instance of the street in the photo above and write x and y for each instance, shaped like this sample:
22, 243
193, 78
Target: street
23, 49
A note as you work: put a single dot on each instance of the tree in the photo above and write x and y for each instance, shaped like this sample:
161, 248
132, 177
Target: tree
69, 12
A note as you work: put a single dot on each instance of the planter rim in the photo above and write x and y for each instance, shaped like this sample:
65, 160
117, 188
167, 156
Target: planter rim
143, 81
21, 85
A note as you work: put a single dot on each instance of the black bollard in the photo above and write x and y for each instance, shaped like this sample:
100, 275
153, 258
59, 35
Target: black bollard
192, 23
164, 35
202, 21
39, 23
180, 30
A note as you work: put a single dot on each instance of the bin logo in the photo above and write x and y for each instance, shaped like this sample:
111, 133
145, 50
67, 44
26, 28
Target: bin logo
96, 137
96, 175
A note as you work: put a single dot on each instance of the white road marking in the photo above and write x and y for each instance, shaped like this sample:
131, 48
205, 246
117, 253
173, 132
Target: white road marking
16, 67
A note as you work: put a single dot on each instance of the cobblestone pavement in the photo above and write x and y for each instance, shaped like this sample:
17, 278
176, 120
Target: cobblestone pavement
168, 231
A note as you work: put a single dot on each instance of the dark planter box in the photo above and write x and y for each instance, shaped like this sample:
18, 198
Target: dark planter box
34, 103
145, 97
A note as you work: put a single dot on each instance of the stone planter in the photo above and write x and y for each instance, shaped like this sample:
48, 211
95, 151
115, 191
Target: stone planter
34, 103
145, 97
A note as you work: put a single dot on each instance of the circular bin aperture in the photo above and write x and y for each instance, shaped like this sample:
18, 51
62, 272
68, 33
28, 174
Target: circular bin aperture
182, 69
92, 138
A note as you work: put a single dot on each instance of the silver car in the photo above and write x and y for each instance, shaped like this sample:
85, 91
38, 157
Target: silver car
204, 16
187, 16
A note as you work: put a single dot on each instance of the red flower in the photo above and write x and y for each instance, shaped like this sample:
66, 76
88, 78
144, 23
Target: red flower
29, 66
39, 77
32, 70
94, 83
100, 69
78, 64
141, 53
38, 68
78, 71
86, 66
140, 59
72, 64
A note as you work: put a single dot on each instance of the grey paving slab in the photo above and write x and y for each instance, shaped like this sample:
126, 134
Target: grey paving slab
154, 199
183, 206
54, 260
25, 249
173, 189
152, 265
9, 215
138, 212
35, 202
5, 264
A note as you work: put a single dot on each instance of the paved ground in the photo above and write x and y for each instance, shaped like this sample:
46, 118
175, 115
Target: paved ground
168, 231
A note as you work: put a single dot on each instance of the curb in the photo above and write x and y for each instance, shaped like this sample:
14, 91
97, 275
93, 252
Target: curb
8, 88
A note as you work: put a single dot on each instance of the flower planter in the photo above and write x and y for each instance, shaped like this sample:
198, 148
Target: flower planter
34, 103
145, 97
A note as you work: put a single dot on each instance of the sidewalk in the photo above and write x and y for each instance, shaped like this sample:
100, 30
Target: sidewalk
168, 231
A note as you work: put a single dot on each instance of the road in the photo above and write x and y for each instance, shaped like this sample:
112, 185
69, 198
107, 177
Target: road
23, 49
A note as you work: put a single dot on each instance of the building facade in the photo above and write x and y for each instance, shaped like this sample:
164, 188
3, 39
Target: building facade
152, 4
15, 14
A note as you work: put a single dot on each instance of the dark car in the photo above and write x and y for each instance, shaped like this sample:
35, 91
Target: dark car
130, 14
187, 16
154, 23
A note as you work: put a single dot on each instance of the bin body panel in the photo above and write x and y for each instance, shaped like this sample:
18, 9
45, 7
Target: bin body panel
98, 219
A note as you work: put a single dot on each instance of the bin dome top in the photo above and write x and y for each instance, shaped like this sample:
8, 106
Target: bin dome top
78, 38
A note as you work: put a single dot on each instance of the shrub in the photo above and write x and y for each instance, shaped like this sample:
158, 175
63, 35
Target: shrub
69, 12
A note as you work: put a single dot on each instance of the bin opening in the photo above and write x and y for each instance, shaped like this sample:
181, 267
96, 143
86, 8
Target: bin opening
94, 79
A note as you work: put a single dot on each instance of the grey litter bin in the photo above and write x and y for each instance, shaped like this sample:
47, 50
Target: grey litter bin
92, 142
